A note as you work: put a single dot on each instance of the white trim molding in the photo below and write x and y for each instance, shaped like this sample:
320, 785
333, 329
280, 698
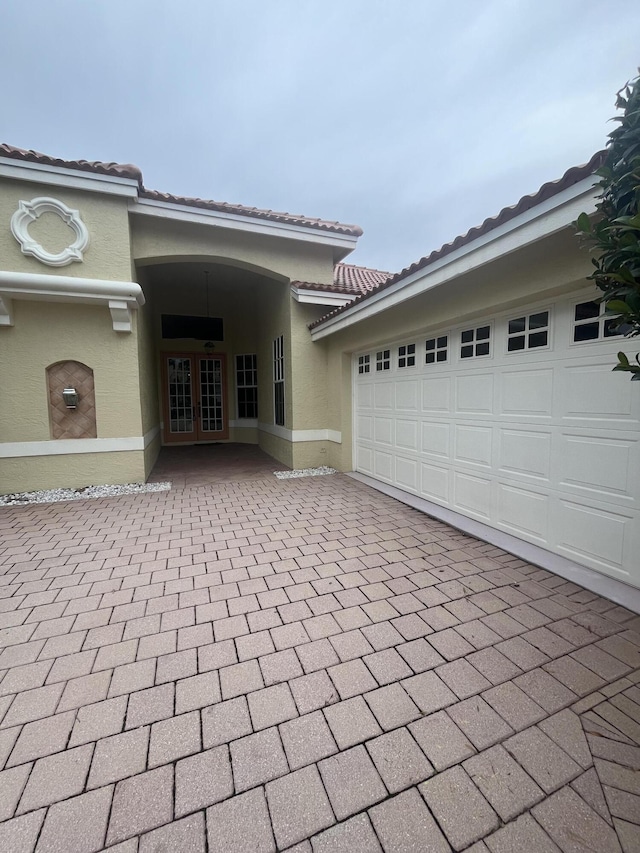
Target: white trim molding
296, 435
540, 221
148, 437
29, 211
320, 297
60, 176
67, 446
119, 296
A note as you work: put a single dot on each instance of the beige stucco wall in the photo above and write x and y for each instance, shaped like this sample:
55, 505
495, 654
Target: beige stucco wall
45, 333
156, 239
280, 448
70, 471
109, 252
542, 270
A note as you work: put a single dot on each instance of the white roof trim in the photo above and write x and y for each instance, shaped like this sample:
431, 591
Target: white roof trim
320, 297
540, 221
238, 222
60, 176
119, 296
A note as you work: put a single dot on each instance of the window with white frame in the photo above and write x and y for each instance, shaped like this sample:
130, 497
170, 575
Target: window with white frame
528, 332
278, 381
364, 364
407, 355
436, 349
591, 324
475, 342
383, 359
247, 385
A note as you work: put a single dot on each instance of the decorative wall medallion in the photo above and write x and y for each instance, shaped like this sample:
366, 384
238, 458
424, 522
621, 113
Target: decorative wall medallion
29, 211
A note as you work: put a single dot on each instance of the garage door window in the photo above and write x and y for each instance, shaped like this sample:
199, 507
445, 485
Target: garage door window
436, 349
475, 342
383, 359
590, 323
528, 332
407, 355
364, 365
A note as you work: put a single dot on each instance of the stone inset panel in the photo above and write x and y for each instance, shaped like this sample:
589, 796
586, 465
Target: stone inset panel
71, 423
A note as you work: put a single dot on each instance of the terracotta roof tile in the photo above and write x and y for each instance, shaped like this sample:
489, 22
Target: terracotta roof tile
571, 176
255, 212
126, 170
117, 170
348, 278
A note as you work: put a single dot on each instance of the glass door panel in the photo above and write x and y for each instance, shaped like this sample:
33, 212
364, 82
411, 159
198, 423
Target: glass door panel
211, 407
180, 403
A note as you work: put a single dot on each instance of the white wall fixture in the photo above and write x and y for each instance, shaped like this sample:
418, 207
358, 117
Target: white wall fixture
29, 211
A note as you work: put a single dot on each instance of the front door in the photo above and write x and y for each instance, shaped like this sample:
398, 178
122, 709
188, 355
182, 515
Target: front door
194, 397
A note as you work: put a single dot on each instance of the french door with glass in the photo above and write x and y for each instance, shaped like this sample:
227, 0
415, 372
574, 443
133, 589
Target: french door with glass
194, 397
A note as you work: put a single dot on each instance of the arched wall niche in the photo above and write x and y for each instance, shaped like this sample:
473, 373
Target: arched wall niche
65, 422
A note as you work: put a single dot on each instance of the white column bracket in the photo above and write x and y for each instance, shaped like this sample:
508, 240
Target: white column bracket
120, 315
6, 310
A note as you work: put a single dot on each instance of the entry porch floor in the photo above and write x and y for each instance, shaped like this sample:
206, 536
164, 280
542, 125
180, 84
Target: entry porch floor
255, 665
199, 464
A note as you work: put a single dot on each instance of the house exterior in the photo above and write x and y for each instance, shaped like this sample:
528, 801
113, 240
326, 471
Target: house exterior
478, 379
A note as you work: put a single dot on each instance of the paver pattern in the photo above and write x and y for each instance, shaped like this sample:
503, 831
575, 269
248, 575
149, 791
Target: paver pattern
303, 665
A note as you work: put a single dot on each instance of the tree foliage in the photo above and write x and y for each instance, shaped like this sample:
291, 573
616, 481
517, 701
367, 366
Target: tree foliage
613, 234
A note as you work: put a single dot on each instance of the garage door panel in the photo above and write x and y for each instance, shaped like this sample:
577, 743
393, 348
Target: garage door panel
407, 434
364, 428
599, 464
527, 392
364, 396
436, 438
436, 395
383, 464
590, 392
474, 393
523, 512
473, 444
383, 396
525, 452
593, 534
407, 473
435, 481
364, 459
472, 494
383, 430
407, 396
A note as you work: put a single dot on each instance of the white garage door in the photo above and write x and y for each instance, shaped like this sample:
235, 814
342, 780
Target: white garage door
517, 421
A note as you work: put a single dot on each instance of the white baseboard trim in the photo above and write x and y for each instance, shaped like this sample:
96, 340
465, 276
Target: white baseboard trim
70, 446
615, 590
296, 435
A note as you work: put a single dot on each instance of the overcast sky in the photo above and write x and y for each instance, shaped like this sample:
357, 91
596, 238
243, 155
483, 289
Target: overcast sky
415, 119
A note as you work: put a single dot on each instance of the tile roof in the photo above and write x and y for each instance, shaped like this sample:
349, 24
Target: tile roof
350, 279
254, 212
571, 176
127, 170
117, 170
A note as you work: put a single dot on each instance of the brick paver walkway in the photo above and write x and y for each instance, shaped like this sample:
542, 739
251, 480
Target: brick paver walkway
304, 665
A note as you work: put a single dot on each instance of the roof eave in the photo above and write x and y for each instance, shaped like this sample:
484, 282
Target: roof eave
342, 244
539, 221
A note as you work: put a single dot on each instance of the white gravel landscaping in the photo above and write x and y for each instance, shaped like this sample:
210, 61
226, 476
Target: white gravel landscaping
305, 472
53, 495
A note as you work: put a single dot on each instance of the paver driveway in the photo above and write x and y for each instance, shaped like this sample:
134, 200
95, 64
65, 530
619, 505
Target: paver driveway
307, 665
